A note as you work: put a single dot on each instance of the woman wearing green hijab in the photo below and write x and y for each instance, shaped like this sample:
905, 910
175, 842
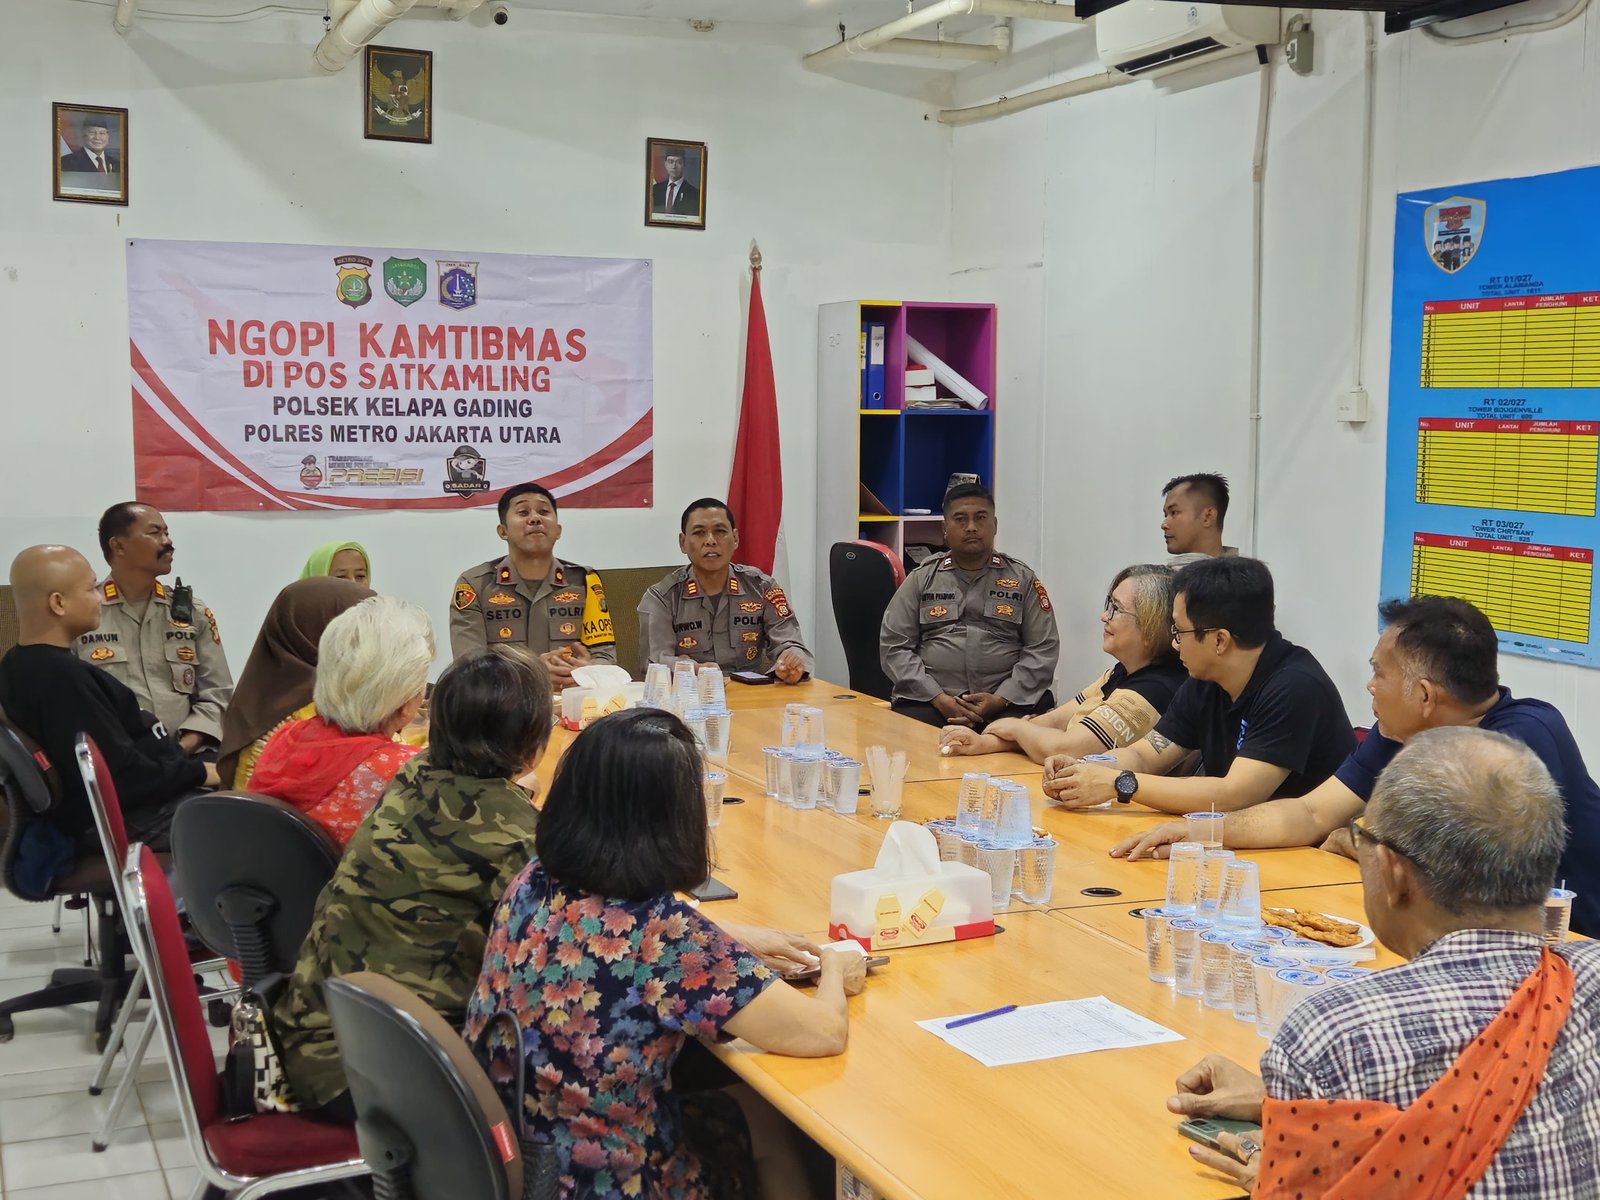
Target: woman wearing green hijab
341, 560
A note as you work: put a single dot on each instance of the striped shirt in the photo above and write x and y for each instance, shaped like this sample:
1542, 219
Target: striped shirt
1391, 1036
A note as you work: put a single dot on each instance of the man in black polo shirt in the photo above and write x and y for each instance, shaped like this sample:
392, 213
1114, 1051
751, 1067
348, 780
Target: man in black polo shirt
1262, 713
52, 696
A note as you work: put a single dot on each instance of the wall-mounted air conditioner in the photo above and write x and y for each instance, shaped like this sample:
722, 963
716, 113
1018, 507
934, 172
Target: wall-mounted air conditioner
1153, 37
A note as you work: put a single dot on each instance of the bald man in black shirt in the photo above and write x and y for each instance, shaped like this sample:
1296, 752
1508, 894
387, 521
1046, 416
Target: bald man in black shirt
52, 696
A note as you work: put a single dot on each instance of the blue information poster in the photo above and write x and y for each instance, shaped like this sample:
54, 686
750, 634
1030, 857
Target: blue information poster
1494, 406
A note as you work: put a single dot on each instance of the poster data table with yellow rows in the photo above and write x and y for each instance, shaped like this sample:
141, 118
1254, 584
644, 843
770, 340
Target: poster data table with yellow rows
1494, 409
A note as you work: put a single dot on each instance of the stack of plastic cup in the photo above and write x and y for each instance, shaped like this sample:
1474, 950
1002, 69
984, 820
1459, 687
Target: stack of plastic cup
716, 784
1036, 870
710, 686
808, 772
1211, 868
769, 760
969, 801
844, 786
657, 686
1001, 864
1186, 976
967, 850
719, 732
1244, 976
1014, 822
1183, 878
944, 832
1158, 944
685, 692
695, 718
791, 724
1239, 908
810, 735
1216, 968
786, 777
1266, 968
993, 798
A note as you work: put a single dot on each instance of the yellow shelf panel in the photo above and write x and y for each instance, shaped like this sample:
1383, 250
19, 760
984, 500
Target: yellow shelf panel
880, 412
864, 517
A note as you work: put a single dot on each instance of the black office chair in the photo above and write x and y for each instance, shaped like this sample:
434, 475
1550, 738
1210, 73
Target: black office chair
430, 1124
863, 577
249, 869
32, 791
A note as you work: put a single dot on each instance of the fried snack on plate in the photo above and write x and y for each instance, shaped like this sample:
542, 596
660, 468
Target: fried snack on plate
1315, 926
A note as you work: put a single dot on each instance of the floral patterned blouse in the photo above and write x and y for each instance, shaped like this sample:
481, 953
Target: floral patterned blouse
605, 992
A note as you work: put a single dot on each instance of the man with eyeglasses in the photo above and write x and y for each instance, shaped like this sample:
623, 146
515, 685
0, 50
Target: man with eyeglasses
1435, 664
1472, 1069
1261, 712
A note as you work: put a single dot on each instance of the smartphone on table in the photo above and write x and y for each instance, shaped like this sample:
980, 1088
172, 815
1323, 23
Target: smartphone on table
1206, 1130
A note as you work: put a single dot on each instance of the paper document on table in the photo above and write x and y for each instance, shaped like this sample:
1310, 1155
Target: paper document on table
1053, 1030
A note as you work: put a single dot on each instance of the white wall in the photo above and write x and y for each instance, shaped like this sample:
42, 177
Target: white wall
538, 148
1137, 203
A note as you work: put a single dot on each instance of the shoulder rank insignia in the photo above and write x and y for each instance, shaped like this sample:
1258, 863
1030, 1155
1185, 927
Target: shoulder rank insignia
161, 591
733, 584
946, 563
564, 597
996, 561
101, 654
211, 621
501, 598
561, 577
779, 602
1044, 596
109, 590
1008, 582
568, 628
750, 606
464, 596
691, 588
505, 575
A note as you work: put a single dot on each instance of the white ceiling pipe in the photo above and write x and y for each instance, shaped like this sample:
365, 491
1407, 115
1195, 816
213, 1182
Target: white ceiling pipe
874, 39
927, 48
123, 20
1081, 86
363, 22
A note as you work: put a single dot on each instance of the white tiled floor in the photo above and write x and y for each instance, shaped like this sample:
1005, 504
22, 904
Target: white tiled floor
46, 1113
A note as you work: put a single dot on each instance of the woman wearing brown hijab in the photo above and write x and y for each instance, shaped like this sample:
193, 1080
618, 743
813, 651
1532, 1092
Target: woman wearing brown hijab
278, 678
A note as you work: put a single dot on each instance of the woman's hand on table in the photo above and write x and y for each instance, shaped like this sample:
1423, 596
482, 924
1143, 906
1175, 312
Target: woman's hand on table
1082, 784
1152, 843
1218, 1087
1238, 1160
783, 952
846, 963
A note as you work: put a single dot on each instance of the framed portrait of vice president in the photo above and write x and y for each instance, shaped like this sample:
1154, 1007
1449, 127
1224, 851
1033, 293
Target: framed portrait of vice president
89, 149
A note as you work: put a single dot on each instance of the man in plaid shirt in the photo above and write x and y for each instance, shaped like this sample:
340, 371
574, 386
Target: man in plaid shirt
1472, 1070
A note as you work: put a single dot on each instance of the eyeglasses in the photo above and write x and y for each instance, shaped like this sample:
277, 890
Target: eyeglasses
1359, 831
1114, 609
1197, 631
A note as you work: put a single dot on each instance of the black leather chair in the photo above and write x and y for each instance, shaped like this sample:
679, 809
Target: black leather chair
249, 869
863, 577
430, 1124
32, 791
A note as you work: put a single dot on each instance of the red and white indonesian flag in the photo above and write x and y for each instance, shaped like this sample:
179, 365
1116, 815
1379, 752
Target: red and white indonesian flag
384, 377
755, 491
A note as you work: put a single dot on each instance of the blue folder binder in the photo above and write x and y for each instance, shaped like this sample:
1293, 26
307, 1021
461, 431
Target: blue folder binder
874, 337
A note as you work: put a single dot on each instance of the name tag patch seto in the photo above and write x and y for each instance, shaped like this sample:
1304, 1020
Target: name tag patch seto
1008, 583
564, 598
186, 654
502, 598
750, 606
101, 654
463, 597
1044, 596
779, 602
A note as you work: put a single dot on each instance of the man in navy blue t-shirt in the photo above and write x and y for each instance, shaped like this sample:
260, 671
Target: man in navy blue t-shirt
1435, 664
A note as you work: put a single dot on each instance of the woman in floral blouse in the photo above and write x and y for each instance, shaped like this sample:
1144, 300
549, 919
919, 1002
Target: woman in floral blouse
608, 973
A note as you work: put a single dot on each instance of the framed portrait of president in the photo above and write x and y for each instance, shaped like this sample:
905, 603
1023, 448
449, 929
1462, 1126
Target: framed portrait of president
675, 183
90, 147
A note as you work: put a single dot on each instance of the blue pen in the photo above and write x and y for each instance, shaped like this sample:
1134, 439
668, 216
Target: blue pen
983, 1016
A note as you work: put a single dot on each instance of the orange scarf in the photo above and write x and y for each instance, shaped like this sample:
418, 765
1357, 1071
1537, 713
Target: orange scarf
1439, 1147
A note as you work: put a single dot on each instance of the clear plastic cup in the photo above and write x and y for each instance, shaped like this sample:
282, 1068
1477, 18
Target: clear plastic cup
715, 785
710, 686
1273, 933
695, 718
810, 735
786, 777
1183, 877
1186, 977
1001, 864
967, 851
1239, 908
1014, 824
685, 693
657, 686
807, 778
1205, 828
1290, 986
993, 798
969, 801
1036, 870
1216, 968
1244, 976
719, 732
1558, 915
1158, 944
769, 760
886, 798
1265, 968
949, 839
1211, 868
1347, 974
1098, 758
791, 724
844, 786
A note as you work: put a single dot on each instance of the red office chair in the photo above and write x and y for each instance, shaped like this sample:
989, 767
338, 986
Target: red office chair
249, 1156
863, 577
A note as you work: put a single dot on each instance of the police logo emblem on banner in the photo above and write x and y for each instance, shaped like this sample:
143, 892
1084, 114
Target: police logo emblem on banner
405, 280
458, 284
355, 283
1452, 231
465, 472
310, 473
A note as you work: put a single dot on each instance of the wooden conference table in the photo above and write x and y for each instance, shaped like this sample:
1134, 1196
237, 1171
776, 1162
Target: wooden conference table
914, 1117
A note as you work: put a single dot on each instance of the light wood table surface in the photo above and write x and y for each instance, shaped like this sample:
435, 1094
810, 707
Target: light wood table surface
917, 1118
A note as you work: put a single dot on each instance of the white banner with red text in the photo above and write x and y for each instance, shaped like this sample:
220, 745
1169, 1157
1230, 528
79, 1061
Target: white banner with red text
370, 377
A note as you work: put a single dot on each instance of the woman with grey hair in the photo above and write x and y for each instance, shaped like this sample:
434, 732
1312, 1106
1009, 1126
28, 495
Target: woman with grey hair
1119, 707
372, 670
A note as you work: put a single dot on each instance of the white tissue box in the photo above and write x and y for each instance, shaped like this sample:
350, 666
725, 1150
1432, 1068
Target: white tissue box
910, 898
580, 705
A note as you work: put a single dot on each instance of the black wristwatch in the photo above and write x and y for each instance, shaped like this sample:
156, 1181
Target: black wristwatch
1127, 785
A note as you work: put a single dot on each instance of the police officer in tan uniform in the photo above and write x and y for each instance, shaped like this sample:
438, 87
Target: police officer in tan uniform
970, 637
530, 597
718, 611
161, 642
